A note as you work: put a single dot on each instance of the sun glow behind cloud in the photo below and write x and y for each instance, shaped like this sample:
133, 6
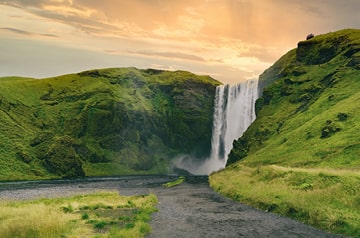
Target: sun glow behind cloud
232, 40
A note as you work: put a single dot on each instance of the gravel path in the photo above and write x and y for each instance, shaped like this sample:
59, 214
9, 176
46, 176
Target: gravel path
191, 209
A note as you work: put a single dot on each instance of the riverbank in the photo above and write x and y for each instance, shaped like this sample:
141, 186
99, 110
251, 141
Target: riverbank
191, 209
324, 198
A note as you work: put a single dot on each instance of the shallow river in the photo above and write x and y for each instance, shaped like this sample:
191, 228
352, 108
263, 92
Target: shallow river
191, 209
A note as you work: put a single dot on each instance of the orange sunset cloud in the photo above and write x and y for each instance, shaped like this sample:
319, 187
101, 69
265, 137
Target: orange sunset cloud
231, 40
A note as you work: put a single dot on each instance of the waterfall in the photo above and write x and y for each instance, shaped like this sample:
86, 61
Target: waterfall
234, 111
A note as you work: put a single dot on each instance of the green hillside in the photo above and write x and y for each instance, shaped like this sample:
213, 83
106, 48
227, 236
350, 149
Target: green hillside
301, 156
102, 122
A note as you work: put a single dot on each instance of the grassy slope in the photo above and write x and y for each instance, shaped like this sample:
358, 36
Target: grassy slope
301, 156
102, 122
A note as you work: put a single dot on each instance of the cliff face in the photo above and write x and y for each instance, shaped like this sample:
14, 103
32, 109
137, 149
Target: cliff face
308, 112
103, 122
300, 157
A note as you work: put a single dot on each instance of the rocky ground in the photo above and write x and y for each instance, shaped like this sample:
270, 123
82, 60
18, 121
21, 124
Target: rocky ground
191, 209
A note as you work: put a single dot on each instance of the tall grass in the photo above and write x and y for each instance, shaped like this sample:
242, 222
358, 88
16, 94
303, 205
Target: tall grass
99, 215
33, 220
320, 197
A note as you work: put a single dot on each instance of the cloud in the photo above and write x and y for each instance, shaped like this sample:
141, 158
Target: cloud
222, 37
263, 54
26, 33
260, 21
17, 31
171, 55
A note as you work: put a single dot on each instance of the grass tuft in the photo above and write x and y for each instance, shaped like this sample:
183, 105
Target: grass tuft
179, 181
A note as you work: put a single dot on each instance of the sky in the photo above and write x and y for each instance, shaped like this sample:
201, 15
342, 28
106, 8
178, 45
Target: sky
230, 40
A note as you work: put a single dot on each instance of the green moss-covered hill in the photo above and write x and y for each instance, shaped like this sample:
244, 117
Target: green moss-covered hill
102, 122
301, 156
309, 114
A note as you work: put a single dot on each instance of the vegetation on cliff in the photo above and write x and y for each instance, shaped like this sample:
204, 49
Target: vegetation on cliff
301, 155
103, 122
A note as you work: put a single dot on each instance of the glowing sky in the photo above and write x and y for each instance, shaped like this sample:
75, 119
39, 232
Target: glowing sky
231, 40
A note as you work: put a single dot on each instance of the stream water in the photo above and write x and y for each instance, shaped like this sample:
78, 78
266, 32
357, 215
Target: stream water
191, 209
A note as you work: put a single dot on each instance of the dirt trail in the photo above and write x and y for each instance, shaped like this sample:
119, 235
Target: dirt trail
191, 209
194, 210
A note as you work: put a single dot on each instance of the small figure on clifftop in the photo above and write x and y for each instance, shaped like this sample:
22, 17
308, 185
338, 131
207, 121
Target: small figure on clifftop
308, 37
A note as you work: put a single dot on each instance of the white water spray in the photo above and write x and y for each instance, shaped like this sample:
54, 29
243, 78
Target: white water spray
234, 111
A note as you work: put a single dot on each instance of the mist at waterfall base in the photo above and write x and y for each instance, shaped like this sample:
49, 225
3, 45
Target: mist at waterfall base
234, 111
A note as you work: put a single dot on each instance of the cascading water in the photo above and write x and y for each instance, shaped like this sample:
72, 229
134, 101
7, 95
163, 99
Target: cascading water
234, 111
